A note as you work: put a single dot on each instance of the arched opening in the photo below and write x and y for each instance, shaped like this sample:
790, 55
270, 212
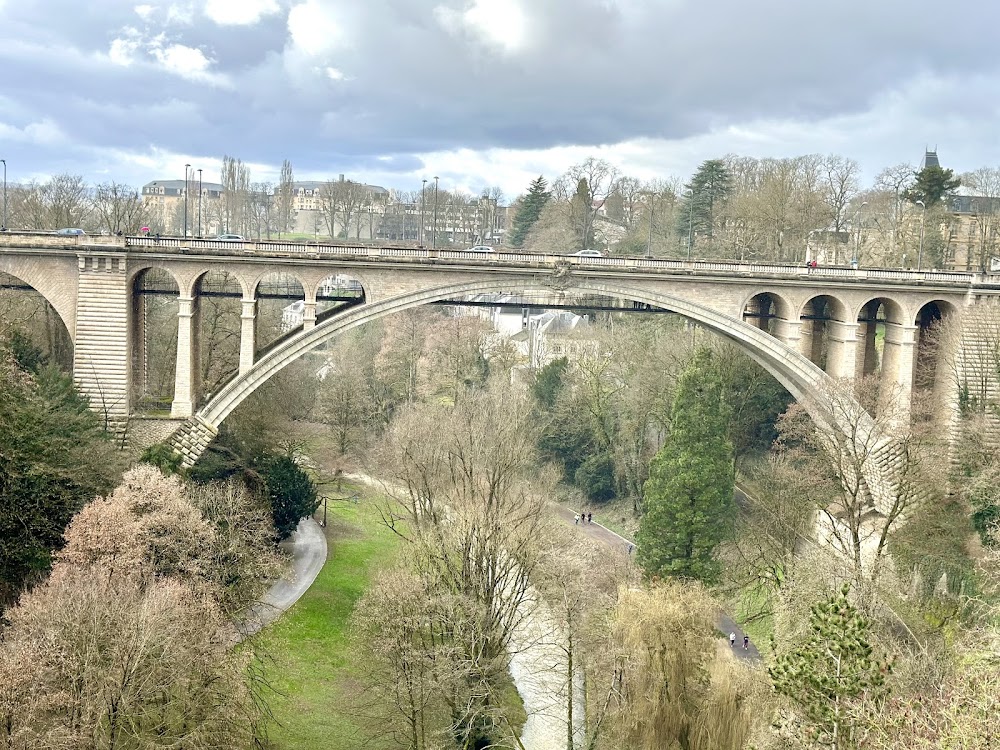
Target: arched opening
821, 334
281, 308
153, 336
32, 325
763, 311
335, 293
930, 378
217, 322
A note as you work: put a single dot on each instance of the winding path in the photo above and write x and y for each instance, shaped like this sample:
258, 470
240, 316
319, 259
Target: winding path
307, 545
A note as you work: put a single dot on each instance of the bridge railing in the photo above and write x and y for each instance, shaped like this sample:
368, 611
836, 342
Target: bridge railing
272, 248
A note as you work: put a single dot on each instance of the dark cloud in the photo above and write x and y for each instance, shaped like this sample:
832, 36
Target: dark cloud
373, 84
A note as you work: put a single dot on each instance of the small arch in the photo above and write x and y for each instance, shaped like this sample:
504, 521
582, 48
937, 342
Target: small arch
153, 338
217, 324
929, 377
764, 310
336, 292
817, 317
281, 300
29, 312
872, 318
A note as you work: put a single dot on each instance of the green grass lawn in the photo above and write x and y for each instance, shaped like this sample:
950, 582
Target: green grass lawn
311, 663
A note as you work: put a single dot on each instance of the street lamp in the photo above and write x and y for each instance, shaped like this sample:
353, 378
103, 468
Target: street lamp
423, 186
199, 203
186, 168
690, 224
920, 247
4, 225
859, 219
434, 239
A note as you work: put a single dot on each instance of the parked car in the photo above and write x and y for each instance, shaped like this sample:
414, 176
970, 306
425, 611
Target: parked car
71, 231
588, 254
230, 237
481, 249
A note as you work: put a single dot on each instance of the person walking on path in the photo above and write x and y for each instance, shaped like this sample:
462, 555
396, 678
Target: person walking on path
746, 643
732, 639
590, 518
576, 519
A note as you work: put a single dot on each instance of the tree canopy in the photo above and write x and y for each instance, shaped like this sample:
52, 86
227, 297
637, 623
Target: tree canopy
689, 494
531, 208
932, 185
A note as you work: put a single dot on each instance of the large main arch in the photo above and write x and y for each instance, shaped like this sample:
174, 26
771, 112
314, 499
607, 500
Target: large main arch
795, 372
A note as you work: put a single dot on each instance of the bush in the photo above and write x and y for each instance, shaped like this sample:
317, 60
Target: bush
292, 493
596, 477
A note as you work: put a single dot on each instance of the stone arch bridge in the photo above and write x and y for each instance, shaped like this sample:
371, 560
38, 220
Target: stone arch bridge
807, 327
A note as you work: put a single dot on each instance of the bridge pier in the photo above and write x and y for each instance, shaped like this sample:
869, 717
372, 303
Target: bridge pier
186, 369
897, 367
309, 309
248, 334
101, 352
843, 343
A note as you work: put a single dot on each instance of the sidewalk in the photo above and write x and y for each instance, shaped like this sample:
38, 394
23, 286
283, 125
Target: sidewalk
596, 531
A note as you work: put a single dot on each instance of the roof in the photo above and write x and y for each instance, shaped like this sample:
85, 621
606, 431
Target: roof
930, 160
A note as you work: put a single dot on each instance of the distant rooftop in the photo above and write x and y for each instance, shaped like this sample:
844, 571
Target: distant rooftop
930, 160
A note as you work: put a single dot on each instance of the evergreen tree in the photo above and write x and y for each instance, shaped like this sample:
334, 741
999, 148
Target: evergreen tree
688, 497
933, 184
707, 191
581, 208
834, 671
54, 458
530, 210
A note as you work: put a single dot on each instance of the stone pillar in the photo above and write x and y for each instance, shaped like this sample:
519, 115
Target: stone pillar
788, 332
843, 347
309, 311
248, 334
140, 354
185, 377
102, 354
897, 366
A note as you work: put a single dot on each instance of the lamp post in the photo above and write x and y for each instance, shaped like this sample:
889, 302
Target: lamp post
423, 187
186, 168
649, 234
199, 203
3, 226
690, 225
920, 246
434, 238
859, 218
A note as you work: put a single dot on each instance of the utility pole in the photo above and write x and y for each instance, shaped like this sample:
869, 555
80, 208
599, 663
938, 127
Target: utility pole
186, 168
434, 241
199, 202
423, 186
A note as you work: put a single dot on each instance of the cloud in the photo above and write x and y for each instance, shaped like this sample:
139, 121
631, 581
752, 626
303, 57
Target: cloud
239, 12
492, 91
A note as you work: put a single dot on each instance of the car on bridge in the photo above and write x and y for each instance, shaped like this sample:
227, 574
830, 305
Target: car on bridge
588, 254
70, 232
480, 249
238, 237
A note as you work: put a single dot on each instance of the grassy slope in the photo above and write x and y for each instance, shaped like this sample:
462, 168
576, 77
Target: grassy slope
313, 664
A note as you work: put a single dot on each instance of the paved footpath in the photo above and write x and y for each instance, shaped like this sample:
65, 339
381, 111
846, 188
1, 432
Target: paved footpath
307, 545
603, 534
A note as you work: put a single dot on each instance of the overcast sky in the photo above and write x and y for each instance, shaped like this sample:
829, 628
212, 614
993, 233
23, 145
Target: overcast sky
489, 92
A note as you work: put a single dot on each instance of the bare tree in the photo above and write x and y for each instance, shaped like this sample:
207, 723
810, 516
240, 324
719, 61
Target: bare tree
119, 208
235, 194
593, 181
841, 178
285, 219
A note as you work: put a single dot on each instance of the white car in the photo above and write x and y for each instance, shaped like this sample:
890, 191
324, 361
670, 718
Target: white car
481, 249
588, 254
230, 237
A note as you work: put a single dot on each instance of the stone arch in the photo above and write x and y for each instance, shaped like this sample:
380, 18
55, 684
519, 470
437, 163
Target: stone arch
822, 338
335, 292
280, 307
155, 292
873, 317
930, 377
40, 322
55, 282
217, 326
802, 378
767, 311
